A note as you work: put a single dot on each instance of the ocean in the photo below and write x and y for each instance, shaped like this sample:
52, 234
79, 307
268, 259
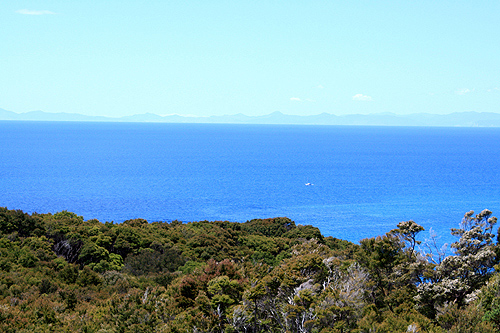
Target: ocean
351, 182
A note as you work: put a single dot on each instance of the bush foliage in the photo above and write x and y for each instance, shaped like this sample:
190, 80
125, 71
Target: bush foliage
60, 273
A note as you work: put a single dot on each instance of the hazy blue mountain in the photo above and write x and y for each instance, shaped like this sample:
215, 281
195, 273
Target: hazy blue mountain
464, 119
8, 115
144, 117
46, 116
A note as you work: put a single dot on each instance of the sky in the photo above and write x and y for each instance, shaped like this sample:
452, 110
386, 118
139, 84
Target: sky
117, 58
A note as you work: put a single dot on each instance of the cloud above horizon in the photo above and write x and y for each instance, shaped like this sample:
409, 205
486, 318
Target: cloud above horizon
463, 91
361, 97
34, 12
295, 99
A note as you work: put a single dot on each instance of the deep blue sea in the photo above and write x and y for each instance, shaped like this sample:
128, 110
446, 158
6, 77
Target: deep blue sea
365, 179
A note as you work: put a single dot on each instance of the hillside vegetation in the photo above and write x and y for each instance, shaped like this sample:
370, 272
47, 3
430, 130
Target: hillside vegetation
59, 273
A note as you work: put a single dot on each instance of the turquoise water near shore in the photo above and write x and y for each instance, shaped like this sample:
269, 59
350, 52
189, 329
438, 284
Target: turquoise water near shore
364, 179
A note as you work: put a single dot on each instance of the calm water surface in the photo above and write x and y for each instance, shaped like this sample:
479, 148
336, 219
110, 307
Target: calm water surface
365, 179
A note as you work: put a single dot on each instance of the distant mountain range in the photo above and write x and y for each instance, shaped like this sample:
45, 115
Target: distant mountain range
463, 119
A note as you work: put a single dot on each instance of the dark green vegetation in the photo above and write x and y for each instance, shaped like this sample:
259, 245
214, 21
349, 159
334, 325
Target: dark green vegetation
59, 273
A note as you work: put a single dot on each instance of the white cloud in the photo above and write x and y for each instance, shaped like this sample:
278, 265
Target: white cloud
320, 86
295, 99
34, 12
361, 97
463, 91
494, 89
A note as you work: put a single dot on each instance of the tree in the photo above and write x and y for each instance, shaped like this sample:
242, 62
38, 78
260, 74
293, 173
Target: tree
407, 231
380, 256
458, 276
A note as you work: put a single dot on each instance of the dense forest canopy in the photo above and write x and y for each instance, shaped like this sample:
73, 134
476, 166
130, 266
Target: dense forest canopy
60, 273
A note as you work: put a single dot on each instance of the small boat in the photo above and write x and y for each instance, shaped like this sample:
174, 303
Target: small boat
309, 184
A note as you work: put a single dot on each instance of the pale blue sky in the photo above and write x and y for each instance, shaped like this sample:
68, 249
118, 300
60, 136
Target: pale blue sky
116, 58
